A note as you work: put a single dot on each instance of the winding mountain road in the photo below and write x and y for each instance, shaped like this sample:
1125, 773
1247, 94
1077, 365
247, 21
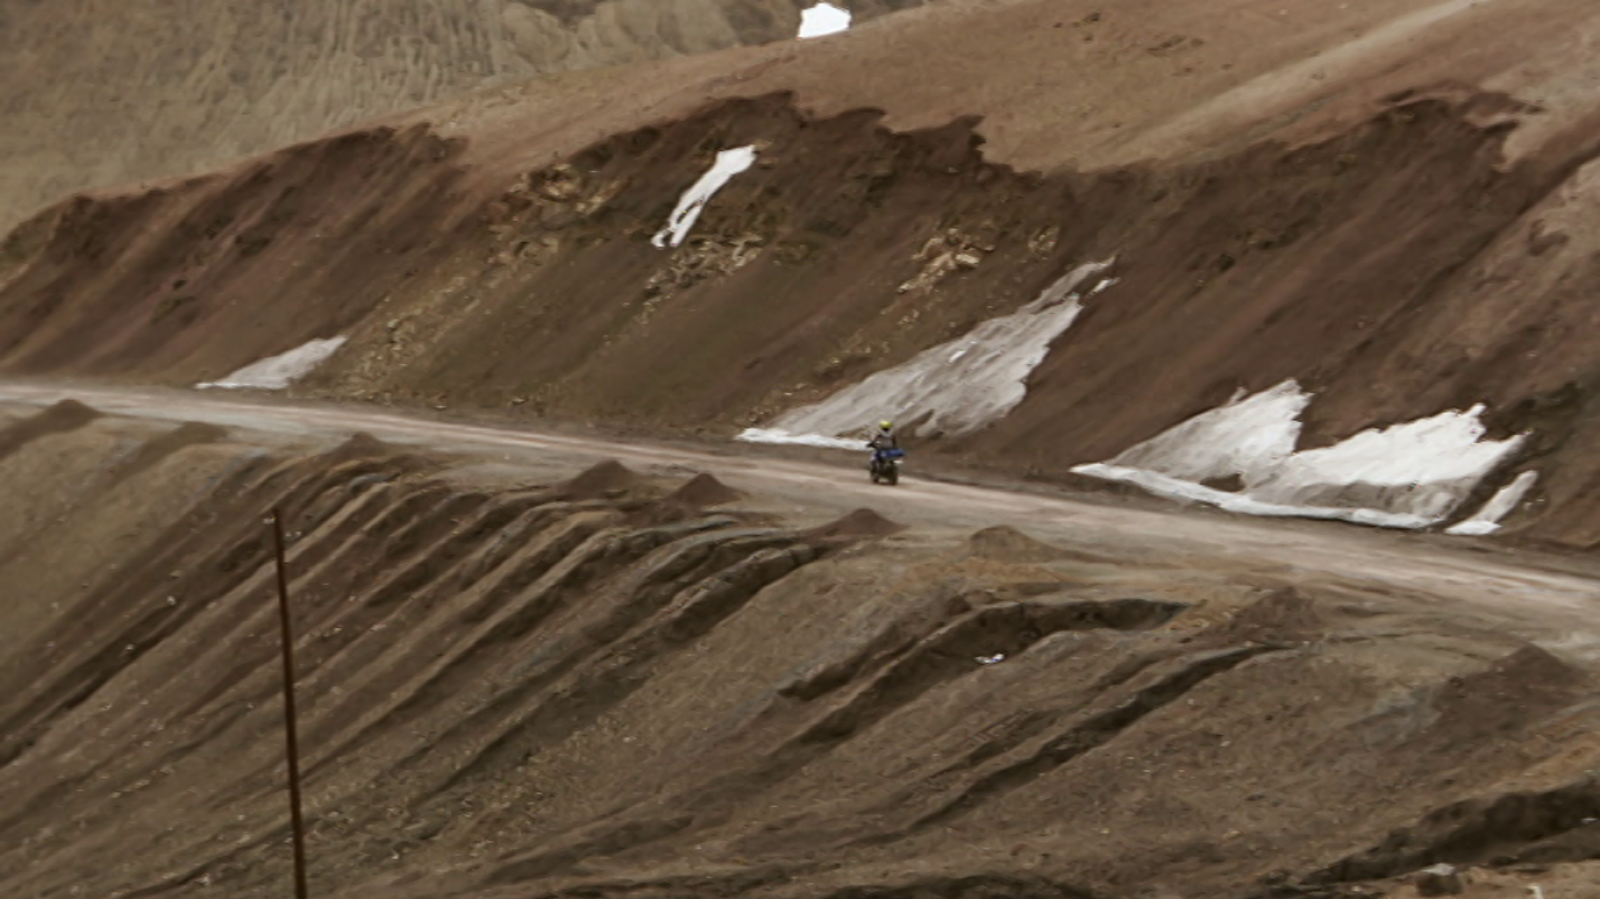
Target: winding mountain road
1550, 599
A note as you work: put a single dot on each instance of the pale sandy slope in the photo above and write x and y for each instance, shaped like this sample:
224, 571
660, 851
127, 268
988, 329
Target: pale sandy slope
99, 92
1087, 84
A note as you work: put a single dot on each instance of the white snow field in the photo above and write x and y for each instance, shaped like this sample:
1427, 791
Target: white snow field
954, 388
276, 372
693, 201
823, 19
1409, 475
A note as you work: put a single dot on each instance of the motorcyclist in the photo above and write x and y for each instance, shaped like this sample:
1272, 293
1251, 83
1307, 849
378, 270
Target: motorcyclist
884, 439
883, 444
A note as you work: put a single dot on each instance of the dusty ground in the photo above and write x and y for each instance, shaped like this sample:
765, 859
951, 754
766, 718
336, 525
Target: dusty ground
636, 682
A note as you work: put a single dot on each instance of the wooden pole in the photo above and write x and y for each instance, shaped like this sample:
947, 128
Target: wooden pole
291, 731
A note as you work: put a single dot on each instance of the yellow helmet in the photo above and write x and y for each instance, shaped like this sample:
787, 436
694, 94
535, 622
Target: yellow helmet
885, 425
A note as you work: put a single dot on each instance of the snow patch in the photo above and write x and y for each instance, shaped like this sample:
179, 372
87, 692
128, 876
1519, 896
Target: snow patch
1487, 519
954, 388
823, 19
1248, 436
693, 201
1188, 491
275, 372
1409, 475
780, 436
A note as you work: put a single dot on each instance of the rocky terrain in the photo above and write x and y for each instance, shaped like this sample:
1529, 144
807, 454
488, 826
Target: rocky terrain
1293, 260
522, 678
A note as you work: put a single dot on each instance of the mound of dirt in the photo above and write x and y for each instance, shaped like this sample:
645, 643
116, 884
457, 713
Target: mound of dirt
860, 524
151, 452
66, 415
1512, 691
602, 480
1004, 543
705, 490
361, 445
1283, 616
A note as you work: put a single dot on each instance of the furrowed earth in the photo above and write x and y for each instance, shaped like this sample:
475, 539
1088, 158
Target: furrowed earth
559, 633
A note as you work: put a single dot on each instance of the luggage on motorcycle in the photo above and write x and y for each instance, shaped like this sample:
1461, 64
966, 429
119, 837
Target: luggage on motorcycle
885, 466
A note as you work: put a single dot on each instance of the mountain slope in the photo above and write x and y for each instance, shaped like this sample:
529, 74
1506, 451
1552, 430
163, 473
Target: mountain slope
98, 92
1335, 214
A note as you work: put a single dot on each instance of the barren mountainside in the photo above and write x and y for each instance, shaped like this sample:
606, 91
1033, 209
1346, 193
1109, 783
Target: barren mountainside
1392, 252
97, 93
501, 361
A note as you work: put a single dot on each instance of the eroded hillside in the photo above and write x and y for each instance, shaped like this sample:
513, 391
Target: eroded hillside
1368, 268
517, 681
1341, 218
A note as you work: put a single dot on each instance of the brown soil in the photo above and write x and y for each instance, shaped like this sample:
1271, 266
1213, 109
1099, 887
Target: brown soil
67, 415
506, 693
1003, 543
600, 688
604, 479
860, 523
705, 490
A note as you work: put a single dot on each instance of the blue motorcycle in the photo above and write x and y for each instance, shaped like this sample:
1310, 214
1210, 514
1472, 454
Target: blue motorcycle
885, 466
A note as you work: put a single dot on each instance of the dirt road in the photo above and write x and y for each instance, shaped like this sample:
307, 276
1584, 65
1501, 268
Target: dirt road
1547, 598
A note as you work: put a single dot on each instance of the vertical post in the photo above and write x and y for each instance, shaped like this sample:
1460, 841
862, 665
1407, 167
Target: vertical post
291, 732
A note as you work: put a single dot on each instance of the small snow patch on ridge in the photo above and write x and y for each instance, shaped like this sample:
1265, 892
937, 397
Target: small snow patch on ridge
1409, 475
694, 200
823, 19
276, 372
